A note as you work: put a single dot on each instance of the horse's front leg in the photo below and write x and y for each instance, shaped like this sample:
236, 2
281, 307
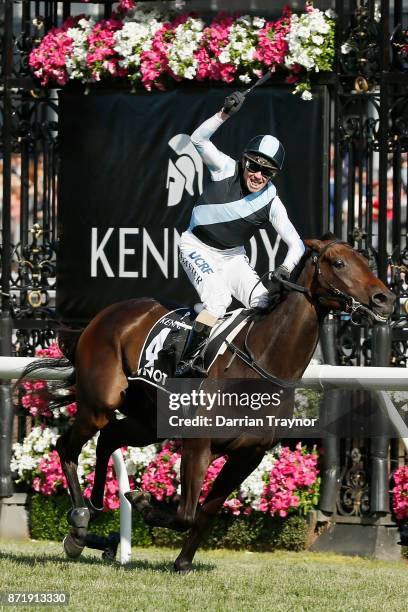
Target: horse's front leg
237, 467
195, 459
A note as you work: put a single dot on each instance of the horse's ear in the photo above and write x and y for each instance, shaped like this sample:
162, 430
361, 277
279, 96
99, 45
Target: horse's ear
329, 236
314, 244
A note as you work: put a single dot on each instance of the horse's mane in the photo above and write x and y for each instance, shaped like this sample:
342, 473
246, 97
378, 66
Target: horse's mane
277, 297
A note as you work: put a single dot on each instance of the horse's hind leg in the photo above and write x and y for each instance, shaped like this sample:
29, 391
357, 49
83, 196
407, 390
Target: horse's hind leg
238, 467
69, 446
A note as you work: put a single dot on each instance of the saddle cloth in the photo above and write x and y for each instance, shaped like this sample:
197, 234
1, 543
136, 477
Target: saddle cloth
165, 342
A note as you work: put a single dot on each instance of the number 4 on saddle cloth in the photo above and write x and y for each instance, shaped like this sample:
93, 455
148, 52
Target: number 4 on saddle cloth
164, 344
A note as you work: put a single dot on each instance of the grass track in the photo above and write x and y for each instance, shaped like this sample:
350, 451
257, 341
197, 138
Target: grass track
223, 581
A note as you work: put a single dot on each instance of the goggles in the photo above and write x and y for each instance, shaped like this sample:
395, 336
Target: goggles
267, 171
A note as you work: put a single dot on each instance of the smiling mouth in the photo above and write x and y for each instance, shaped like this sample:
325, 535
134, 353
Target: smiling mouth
254, 183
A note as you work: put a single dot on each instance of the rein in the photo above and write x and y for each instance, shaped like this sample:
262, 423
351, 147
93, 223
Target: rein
350, 305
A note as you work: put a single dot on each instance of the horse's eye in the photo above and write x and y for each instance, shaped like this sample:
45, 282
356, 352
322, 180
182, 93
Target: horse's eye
339, 263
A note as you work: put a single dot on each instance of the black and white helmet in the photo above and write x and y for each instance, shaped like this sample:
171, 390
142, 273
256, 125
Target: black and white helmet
266, 150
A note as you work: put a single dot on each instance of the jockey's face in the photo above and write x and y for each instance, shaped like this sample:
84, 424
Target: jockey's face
256, 176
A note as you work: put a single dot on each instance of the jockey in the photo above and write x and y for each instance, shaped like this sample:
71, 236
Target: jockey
239, 200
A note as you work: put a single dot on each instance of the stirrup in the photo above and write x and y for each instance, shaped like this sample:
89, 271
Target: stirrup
191, 363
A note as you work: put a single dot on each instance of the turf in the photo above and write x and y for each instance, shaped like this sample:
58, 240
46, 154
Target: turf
222, 580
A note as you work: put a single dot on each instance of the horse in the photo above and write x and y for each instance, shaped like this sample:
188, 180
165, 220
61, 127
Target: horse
331, 276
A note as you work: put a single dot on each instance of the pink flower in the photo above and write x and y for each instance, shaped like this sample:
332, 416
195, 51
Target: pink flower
154, 63
53, 351
272, 44
294, 471
72, 409
48, 60
234, 505
36, 397
400, 493
126, 5
160, 477
212, 473
102, 57
50, 477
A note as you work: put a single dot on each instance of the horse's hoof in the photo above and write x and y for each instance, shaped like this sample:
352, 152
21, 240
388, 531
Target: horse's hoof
72, 549
139, 499
182, 567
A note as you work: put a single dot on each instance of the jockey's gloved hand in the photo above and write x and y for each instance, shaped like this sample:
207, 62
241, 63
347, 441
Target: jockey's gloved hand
233, 103
281, 273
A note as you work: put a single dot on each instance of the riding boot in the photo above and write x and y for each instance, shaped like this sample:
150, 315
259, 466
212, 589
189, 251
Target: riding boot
191, 362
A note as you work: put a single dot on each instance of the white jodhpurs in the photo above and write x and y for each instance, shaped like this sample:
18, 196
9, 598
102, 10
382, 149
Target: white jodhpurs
219, 275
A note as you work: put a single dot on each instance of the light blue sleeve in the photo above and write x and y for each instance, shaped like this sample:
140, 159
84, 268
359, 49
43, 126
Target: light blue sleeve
280, 221
220, 165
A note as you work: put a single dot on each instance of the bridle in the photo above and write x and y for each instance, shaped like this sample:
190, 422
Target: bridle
349, 305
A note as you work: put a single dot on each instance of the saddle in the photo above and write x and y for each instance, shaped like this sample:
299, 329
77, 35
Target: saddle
164, 343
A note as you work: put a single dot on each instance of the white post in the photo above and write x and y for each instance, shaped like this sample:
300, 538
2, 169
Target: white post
125, 508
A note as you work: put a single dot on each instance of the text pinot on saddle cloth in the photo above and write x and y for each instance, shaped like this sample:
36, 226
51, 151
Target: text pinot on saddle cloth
164, 344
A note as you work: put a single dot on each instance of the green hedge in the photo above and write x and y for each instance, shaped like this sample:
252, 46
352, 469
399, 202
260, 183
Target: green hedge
256, 532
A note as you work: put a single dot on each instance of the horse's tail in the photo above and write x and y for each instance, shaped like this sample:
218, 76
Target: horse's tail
58, 393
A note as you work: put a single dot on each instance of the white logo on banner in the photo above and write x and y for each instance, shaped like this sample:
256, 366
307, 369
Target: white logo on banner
181, 174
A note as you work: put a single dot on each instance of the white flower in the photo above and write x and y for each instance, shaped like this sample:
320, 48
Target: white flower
245, 78
133, 39
136, 459
306, 95
248, 54
346, 48
186, 41
245, 19
258, 22
224, 57
306, 40
27, 455
252, 487
303, 31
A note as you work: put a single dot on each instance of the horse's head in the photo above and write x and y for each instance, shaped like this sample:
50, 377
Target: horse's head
342, 280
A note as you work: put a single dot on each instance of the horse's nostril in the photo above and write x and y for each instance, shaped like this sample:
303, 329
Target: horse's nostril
383, 299
380, 298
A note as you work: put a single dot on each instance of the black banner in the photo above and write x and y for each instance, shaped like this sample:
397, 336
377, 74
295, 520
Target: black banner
130, 177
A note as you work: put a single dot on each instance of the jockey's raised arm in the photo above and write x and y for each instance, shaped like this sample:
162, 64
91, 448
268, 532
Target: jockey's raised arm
214, 159
286, 230
239, 199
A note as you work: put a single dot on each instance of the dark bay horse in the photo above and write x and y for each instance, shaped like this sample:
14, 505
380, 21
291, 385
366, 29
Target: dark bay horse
282, 342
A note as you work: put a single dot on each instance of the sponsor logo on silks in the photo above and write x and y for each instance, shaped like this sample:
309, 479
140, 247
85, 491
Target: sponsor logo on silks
181, 173
172, 323
156, 376
187, 265
201, 263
